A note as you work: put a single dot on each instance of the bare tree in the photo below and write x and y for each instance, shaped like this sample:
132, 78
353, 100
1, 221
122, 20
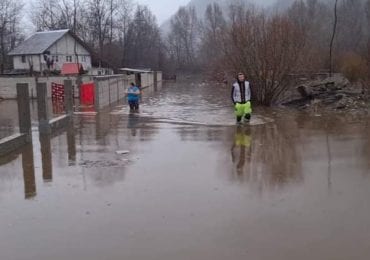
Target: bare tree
213, 27
10, 12
266, 48
46, 15
183, 37
143, 44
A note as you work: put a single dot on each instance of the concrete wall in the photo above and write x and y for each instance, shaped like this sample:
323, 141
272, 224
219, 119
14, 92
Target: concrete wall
159, 76
101, 71
147, 79
12, 143
8, 84
111, 89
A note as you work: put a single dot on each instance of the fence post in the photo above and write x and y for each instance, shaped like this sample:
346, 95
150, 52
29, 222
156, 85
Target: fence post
46, 157
109, 92
68, 97
118, 94
71, 144
97, 94
28, 166
42, 108
24, 114
155, 79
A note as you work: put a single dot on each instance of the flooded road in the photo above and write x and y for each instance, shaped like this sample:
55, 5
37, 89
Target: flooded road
193, 186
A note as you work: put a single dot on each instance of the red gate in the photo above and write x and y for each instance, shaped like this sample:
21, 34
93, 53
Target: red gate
87, 94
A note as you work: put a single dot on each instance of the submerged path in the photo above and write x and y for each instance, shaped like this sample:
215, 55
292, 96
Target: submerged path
193, 185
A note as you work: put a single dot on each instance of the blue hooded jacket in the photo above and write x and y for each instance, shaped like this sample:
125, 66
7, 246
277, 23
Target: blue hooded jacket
131, 96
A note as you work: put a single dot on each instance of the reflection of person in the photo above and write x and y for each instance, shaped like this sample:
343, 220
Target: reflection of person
133, 93
241, 96
241, 149
132, 123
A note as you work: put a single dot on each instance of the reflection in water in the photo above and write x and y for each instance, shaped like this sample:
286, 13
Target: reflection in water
71, 143
46, 157
267, 156
241, 149
133, 123
28, 171
275, 155
28, 168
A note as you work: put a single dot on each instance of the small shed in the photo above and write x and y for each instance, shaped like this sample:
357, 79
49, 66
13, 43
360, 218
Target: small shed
137, 73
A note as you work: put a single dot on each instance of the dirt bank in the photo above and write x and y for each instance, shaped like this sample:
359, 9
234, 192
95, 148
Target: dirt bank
330, 94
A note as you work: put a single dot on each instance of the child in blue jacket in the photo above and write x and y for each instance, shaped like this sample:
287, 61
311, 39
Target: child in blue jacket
133, 94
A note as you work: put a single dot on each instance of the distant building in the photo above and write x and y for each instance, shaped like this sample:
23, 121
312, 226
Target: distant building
51, 50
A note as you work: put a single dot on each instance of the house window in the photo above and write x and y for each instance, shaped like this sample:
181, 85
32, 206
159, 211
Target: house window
69, 58
83, 58
55, 58
23, 58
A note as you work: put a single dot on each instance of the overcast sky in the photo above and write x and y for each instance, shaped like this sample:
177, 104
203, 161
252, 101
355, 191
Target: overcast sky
163, 9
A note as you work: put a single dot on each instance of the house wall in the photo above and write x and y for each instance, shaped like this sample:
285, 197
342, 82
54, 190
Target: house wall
61, 49
30, 60
66, 47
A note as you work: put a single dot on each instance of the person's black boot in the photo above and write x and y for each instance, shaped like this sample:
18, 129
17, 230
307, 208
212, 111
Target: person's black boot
247, 118
238, 119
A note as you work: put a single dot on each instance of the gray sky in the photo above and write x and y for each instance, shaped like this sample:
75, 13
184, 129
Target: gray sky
163, 9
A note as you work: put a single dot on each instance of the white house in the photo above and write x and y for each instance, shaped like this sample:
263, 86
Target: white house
50, 50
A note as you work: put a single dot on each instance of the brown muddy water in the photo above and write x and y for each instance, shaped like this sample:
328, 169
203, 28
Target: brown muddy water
193, 187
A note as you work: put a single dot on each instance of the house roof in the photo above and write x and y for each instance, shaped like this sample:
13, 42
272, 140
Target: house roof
40, 42
135, 70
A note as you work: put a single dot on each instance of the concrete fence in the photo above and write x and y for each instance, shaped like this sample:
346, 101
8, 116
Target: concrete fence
111, 89
8, 88
46, 125
18, 140
9, 91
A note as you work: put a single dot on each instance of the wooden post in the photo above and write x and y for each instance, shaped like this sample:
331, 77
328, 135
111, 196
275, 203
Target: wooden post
46, 157
24, 114
29, 172
71, 143
109, 91
97, 94
42, 108
155, 80
68, 97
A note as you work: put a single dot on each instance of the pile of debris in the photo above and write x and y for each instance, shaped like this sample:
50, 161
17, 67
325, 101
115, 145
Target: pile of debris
335, 93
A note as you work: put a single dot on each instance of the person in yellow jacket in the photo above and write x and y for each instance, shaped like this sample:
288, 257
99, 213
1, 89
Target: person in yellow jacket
241, 97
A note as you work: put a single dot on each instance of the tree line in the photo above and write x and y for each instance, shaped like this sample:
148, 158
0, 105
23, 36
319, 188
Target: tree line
271, 46
119, 32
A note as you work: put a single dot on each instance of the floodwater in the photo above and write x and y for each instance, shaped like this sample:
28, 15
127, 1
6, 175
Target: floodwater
193, 187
